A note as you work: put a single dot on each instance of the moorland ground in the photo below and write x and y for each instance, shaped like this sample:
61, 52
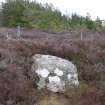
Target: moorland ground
88, 54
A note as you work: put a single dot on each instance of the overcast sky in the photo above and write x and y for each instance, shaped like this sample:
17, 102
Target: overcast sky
94, 7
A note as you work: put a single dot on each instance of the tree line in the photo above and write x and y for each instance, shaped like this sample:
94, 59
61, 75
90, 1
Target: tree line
32, 14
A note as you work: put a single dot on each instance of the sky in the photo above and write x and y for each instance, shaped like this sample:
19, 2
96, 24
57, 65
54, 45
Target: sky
82, 7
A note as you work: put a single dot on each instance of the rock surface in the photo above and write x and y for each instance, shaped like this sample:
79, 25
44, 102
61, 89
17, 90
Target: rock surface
54, 73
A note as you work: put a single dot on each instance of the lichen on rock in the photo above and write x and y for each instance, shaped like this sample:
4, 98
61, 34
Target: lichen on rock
54, 73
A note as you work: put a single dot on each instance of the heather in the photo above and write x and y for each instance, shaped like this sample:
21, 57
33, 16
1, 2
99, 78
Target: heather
16, 84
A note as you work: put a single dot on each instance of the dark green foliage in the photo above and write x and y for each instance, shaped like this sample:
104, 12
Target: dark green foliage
32, 14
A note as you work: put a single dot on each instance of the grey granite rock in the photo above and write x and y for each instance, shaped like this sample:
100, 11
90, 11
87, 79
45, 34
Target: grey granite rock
56, 74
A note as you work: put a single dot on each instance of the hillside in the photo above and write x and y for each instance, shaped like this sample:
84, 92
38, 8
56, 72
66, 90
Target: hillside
16, 85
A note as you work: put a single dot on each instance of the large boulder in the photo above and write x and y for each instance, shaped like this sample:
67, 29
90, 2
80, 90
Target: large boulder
54, 73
